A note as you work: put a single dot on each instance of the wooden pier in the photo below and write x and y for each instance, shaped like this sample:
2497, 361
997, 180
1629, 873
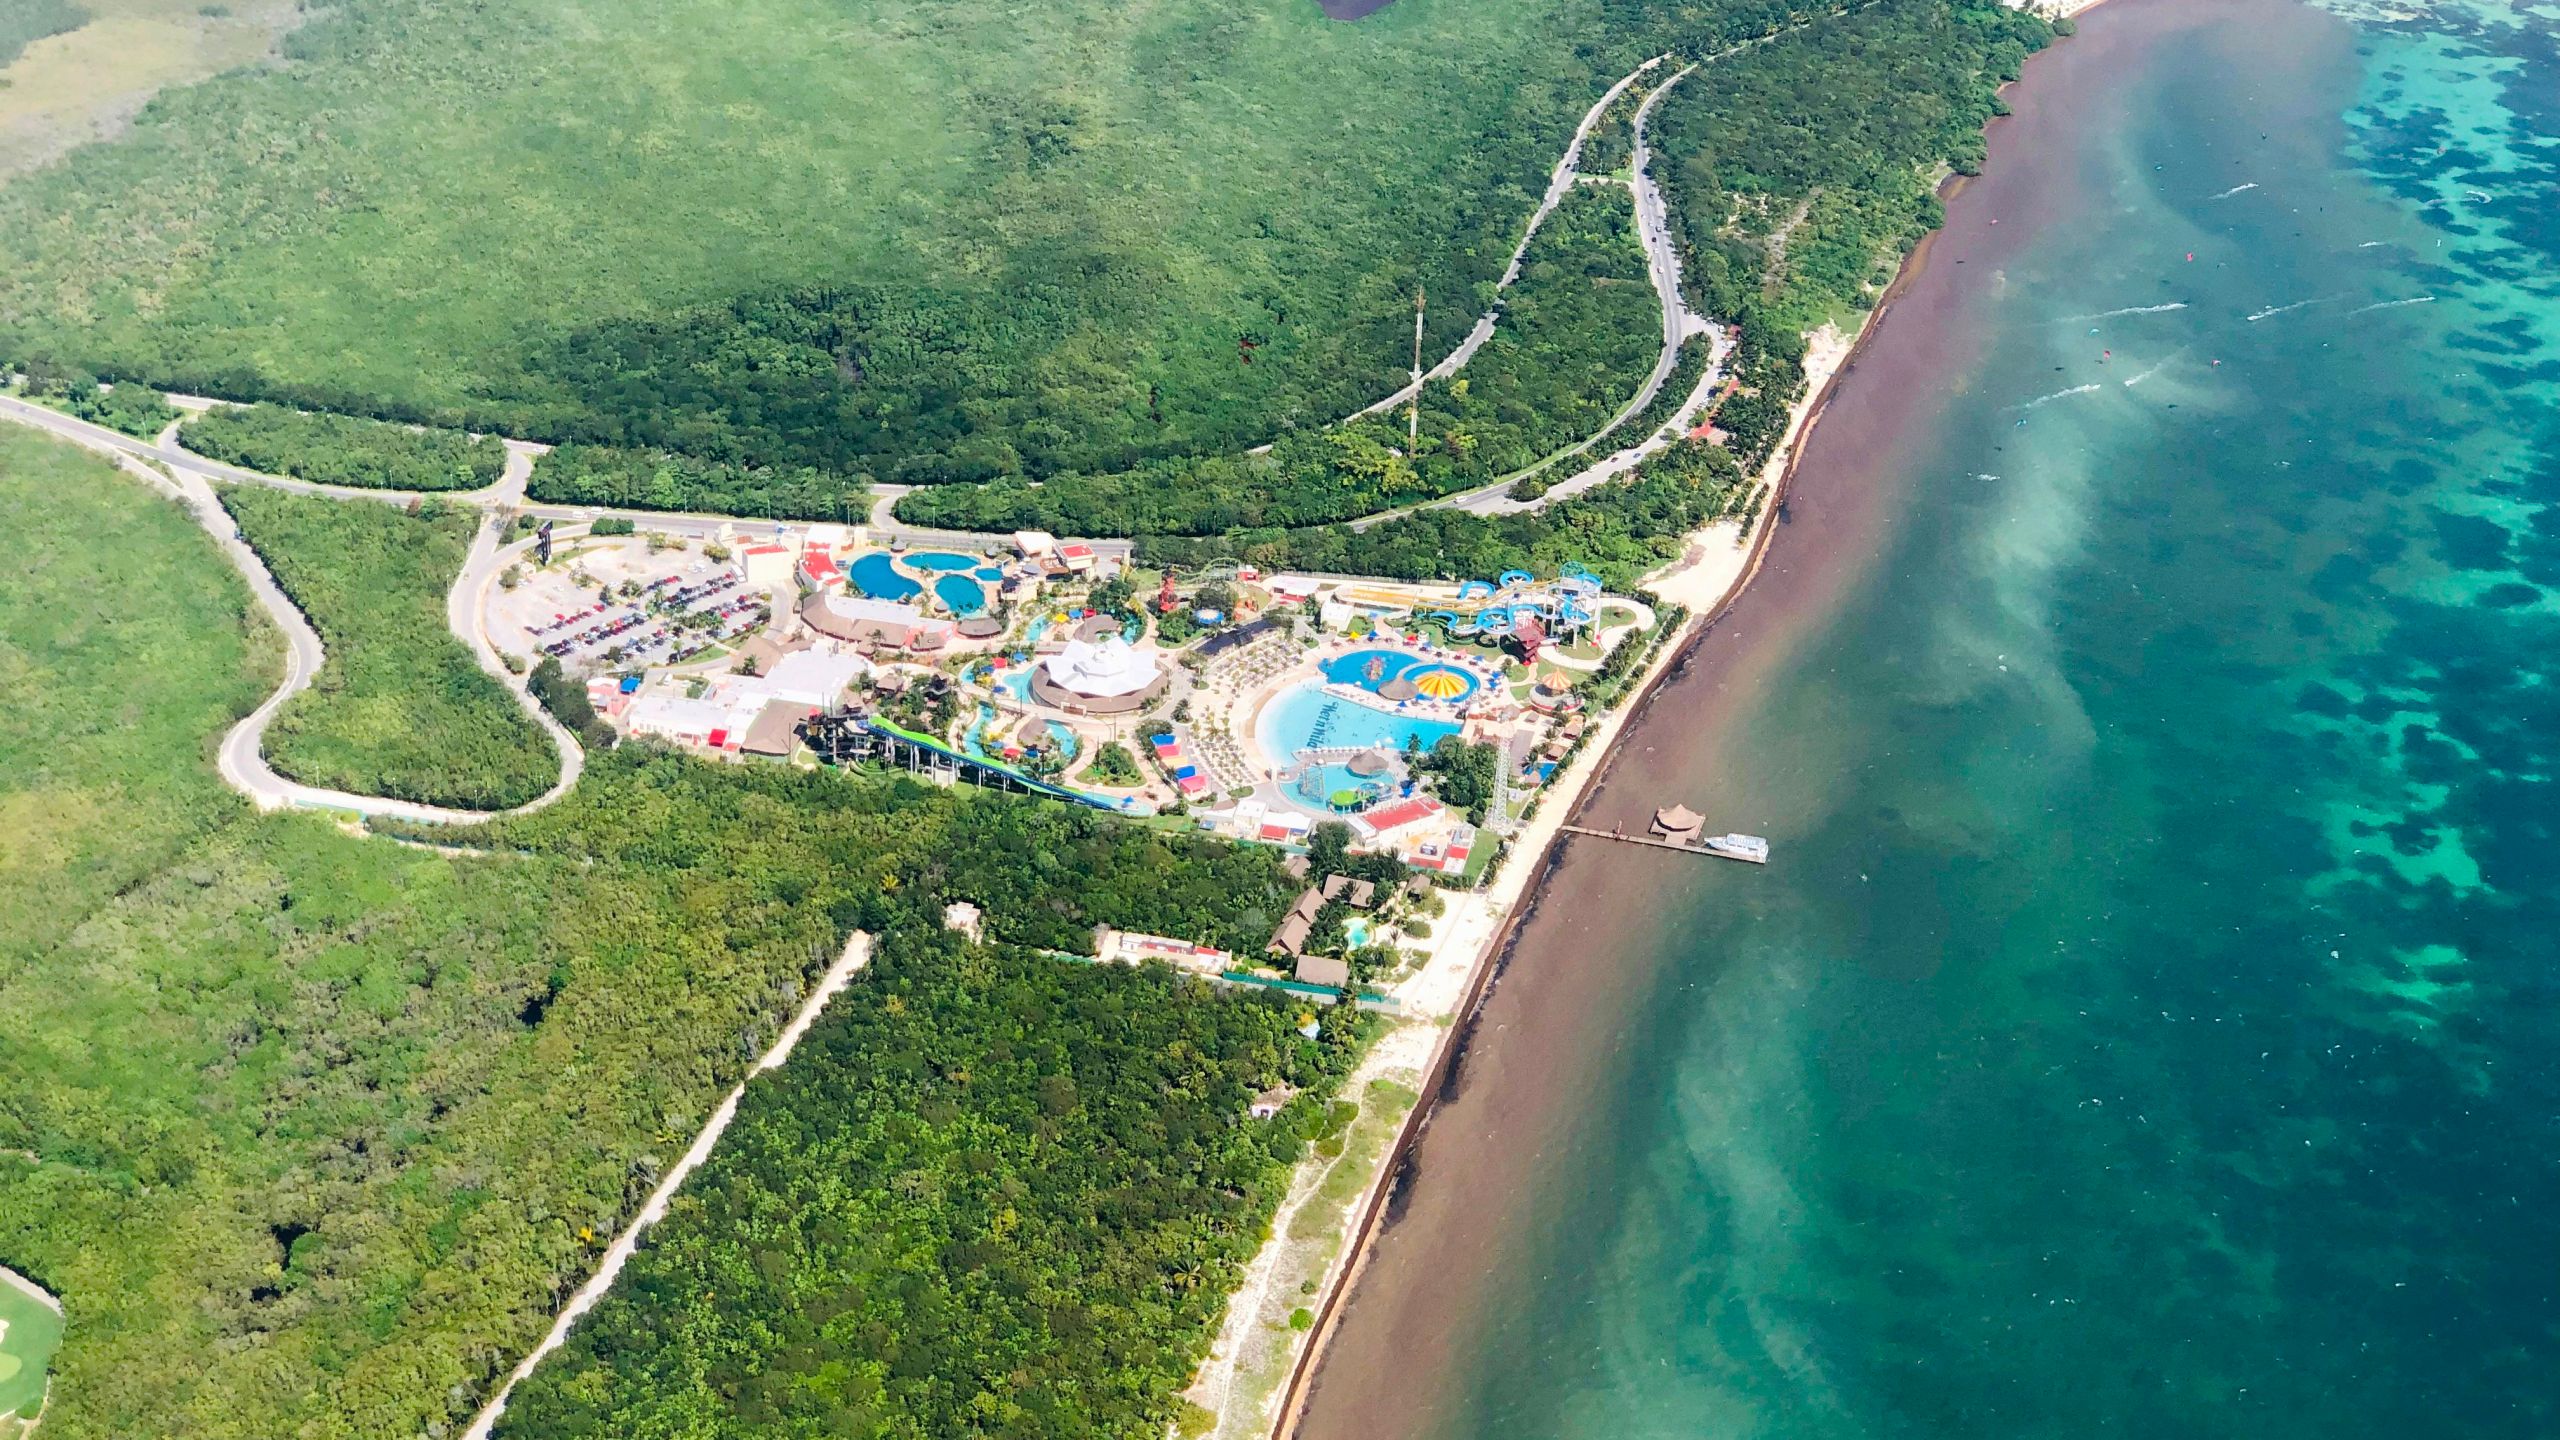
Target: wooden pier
1684, 847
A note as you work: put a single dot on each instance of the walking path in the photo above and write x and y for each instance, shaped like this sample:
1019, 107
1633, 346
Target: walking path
857, 954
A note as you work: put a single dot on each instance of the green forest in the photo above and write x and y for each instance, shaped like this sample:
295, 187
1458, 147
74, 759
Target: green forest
1800, 171
399, 708
136, 410
1579, 331
992, 1194
1619, 531
628, 479
327, 1125
343, 450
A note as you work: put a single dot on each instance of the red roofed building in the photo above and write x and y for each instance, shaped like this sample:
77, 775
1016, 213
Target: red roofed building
818, 568
1400, 814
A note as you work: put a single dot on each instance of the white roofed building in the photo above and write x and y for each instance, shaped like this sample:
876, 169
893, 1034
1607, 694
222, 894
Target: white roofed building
1109, 676
808, 677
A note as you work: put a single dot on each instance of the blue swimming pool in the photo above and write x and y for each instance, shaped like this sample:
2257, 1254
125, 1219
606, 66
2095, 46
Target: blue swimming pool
1372, 669
937, 560
994, 730
877, 577
1306, 718
988, 573
966, 597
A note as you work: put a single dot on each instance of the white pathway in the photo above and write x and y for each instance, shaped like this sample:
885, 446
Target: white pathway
857, 953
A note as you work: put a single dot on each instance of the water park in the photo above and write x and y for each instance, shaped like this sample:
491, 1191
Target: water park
1264, 704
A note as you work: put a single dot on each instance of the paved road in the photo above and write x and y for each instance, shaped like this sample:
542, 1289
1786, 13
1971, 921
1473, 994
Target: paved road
1560, 181
1679, 322
241, 758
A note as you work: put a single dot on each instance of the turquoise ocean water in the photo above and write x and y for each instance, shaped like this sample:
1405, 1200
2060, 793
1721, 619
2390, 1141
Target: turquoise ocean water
2151, 1026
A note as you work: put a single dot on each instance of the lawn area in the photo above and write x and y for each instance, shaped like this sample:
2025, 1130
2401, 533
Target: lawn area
324, 1125
29, 1331
947, 240
400, 708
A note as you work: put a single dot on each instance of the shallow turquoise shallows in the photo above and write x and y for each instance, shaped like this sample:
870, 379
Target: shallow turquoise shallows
2149, 1025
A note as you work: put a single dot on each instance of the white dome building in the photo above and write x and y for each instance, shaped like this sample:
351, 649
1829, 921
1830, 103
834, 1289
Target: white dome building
1108, 677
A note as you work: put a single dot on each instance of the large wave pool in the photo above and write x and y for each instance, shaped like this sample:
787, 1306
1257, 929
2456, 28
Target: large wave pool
1305, 718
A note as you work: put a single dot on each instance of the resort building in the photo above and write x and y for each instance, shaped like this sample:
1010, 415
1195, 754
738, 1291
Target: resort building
1124, 947
707, 723
964, 917
765, 566
873, 624
1325, 970
815, 678
775, 732
818, 569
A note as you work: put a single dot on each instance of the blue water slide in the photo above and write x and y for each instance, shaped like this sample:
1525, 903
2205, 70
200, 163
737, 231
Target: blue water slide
1474, 589
1495, 620
1515, 577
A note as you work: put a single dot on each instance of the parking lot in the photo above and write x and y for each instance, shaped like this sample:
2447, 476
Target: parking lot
613, 605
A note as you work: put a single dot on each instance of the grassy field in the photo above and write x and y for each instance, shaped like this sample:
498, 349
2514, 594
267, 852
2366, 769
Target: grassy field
1029, 236
29, 1331
72, 71
400, 708
125, 654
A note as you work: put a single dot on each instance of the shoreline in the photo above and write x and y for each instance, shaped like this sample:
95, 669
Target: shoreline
1709, 580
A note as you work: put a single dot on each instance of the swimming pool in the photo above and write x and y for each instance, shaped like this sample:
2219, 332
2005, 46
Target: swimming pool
988, 573
937, 560
966, 597
990, 746
1306, 718
1371, 670
877, 577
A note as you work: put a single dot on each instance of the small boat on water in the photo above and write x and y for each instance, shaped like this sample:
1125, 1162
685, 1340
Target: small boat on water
1738, 847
